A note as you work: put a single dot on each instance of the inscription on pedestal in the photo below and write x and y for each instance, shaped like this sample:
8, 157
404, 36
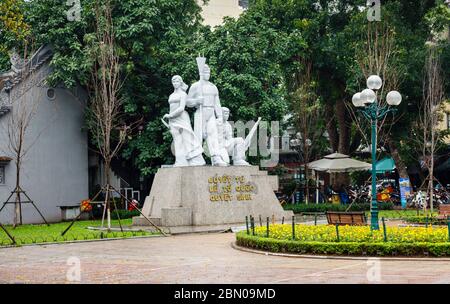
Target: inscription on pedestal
208, 196
226, 188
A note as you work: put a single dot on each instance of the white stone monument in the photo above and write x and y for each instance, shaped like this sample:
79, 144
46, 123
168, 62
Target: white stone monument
191, 197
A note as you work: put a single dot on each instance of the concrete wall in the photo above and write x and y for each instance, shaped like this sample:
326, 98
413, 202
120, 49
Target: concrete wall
55, 171
215, 10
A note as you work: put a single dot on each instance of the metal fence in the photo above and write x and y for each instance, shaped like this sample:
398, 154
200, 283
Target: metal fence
251, 224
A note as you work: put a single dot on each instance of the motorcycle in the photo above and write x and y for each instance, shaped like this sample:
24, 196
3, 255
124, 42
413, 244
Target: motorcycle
420, 198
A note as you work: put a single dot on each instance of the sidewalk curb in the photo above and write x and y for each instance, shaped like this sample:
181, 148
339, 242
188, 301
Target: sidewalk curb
328, 257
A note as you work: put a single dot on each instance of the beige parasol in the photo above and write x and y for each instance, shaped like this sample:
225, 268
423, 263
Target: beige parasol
338, 163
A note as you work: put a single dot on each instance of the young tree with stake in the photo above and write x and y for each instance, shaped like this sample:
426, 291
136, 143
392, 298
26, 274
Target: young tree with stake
105, 120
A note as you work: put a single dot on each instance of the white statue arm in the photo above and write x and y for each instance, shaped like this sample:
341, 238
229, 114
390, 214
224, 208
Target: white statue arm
228, 132
192, 97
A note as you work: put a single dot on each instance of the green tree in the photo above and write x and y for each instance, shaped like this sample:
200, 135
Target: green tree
245, 56
12, 28
154, 41
335, 32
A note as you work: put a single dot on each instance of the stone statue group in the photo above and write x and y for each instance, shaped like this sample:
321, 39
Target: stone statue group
210, 124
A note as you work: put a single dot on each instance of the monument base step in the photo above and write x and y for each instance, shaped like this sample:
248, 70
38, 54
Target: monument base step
197, 229
141, 221
234, 227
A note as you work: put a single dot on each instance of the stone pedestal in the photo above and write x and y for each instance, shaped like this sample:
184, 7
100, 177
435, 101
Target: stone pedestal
187, 199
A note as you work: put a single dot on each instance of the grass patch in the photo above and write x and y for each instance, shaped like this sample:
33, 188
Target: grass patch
31, 234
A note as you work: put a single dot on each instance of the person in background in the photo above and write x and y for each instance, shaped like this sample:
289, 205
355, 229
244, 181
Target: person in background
133, 205
343, 195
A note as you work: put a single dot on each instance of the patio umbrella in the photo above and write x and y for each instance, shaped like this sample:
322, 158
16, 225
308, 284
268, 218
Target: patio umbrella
339, 163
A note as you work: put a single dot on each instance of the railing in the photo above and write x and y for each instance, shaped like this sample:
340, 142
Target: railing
251, 225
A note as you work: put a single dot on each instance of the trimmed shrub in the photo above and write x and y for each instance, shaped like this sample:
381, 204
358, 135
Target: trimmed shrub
124, 214
423, 220
304, 208
344, 248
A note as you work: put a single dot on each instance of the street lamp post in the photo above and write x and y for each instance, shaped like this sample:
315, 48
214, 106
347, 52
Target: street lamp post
296, 144
367, 104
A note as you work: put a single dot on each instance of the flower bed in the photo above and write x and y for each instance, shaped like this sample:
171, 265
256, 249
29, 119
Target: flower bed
352, 240
327, 233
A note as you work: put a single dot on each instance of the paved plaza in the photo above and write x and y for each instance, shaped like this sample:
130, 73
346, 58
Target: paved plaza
198, 258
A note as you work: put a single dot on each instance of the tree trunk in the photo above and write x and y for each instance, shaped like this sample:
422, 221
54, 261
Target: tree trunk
307, 184
17, 202
331, 127
344, 128
356, 142
401, 168
344, 140
107, 197
430, 191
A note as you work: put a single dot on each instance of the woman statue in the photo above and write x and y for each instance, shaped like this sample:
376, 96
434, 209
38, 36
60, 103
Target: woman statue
188, 149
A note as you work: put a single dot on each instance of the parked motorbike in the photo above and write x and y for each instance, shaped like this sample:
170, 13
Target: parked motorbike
420, 198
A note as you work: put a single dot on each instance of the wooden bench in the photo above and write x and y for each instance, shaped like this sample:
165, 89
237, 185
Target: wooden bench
347, 218
444, 211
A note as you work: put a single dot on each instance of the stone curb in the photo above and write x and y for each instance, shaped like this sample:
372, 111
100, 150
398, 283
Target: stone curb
81, 241
328, 257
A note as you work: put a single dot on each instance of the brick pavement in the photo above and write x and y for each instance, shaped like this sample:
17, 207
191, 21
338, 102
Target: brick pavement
197, 258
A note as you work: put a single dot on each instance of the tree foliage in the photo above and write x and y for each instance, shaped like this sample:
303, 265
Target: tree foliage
257, 60
335, 33
153, 40
12, 28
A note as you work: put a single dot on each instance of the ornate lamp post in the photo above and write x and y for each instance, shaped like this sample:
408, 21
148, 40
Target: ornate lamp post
296, 143
367, 104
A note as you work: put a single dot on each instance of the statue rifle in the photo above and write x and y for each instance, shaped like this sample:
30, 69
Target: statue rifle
250, 135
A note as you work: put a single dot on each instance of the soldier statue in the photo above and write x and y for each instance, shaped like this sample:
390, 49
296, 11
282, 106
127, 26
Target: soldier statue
208, 117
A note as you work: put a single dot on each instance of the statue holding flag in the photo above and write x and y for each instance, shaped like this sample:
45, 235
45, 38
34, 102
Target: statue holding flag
208, 117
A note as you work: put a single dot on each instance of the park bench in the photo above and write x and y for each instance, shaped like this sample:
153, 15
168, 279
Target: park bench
444, 211
72, 211
346, 218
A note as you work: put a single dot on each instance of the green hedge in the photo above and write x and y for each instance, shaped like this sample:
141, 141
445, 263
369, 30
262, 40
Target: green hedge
124, 214
344, 248
424, 220
301, 208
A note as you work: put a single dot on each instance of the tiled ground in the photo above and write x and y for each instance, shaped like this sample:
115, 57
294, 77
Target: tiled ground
198, 258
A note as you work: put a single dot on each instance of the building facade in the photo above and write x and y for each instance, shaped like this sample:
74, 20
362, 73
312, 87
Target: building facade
215, 10
55, 169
